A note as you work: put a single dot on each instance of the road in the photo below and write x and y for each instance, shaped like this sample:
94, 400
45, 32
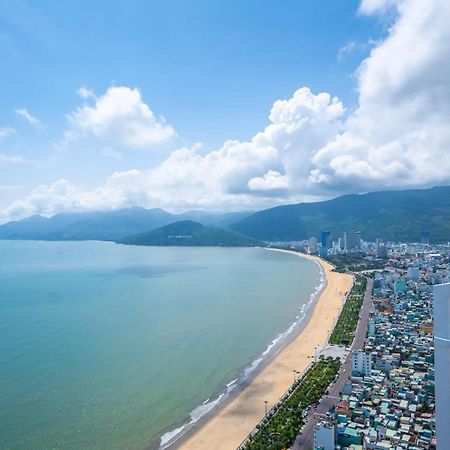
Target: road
305, 440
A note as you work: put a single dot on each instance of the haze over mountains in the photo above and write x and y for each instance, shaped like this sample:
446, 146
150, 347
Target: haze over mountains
391, 215
107, 225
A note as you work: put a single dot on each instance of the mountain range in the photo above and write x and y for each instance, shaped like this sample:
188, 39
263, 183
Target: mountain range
390, 215
107, 225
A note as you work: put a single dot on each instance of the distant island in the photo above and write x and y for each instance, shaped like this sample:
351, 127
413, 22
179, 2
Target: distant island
190, 233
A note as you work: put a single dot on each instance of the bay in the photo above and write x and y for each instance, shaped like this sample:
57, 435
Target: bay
105, 346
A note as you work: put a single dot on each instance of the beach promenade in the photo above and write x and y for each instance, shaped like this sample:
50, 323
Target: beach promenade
230, 426
305, 440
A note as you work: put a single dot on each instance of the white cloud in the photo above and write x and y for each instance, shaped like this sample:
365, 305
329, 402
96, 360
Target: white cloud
271, 167
353, 47
399, 135
378, 6
12, 159
25, 114
271, 181
120, 116
6, 131
85, 93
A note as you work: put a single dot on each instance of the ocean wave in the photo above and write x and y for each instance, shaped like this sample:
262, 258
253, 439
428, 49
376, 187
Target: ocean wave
201, 410
231, 385
168, 437
275, 345
196, 414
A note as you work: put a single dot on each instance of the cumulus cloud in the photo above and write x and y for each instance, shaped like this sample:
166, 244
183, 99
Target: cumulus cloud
120, 116
271, 181
397, 136
271, 167
25, 114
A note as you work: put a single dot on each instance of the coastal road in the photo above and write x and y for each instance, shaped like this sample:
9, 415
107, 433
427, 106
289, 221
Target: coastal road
305, 440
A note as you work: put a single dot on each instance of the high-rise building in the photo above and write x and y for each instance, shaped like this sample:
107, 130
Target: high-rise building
361, 363
441, 313
425, 237
325, 242
312, 245
352, 240
381, 250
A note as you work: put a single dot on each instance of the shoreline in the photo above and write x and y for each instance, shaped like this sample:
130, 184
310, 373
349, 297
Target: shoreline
204, 412
230, 423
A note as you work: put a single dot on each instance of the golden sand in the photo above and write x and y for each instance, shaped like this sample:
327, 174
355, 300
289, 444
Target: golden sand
230, 426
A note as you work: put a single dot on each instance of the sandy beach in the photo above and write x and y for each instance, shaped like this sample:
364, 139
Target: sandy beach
229, 427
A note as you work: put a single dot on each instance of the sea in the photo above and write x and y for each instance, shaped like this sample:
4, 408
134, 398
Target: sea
107, 346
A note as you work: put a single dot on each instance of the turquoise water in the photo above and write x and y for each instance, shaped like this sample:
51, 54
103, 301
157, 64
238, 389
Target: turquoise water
104, 346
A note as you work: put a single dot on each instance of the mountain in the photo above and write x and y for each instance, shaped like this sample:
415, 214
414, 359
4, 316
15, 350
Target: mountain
219, 220
101, 225
106, 225
390, 215
189, 233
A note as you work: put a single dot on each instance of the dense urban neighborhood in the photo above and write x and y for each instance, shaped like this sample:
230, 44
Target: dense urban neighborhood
393, 355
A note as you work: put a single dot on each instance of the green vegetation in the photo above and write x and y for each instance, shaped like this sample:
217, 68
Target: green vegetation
189, 233
354, 262
390, 215
280, 427
348, 320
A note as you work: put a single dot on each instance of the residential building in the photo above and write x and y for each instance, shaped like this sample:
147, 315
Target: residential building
312, 245
413, 273
361, 363
324, 436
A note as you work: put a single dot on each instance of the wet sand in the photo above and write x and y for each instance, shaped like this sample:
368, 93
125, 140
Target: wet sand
230, 426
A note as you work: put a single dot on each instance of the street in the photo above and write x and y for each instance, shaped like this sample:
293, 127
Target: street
305, 440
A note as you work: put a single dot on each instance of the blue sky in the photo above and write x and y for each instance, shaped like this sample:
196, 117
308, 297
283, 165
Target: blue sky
213, 69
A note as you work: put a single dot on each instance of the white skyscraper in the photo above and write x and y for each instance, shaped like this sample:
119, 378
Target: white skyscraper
312, 245
441, 313
361, 363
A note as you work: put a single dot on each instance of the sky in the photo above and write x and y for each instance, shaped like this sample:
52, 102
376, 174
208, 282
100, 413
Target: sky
219, 105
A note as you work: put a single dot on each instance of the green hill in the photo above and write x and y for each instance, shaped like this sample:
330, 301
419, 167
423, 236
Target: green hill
189, 233
390, 215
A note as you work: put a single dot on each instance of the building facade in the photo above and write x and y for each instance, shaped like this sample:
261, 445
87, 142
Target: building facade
352, 240
441, 307
325, 243
312, 245
361, 363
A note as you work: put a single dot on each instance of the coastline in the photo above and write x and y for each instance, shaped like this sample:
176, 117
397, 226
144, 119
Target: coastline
236, 418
